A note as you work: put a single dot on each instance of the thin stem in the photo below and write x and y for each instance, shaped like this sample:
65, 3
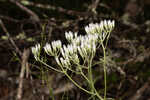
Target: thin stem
91, 78
107, 38
72, 70
84, 75
50, 67
104, 66
90, 73
97, 94
75, 83
78, 84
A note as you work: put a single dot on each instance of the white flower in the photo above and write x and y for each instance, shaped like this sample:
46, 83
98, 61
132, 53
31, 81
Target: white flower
80, 52
112, 24
76, 41
94, 47
91, 38
36, 51
104, 26
48, 49
53, 48
108, 25
56, 45
70, 36
65, 62
58, 62
91, 28
72, 49
87, 47
69, 50
64, 51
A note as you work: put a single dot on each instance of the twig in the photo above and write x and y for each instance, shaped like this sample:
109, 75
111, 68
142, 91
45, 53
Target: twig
23, 65
9, 18
34, 16
139, 58
65, 88
60, 9
140, 91
10, 39
94, 6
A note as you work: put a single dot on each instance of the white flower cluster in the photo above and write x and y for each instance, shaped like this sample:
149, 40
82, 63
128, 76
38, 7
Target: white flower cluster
63, 62
53, 48
69, 36
36, 51
102, 28
85, 46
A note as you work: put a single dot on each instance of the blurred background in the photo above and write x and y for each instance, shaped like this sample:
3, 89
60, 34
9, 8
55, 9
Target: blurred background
24, 23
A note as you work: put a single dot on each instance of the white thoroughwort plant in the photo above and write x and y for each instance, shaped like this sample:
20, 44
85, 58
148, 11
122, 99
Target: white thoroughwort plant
80, 47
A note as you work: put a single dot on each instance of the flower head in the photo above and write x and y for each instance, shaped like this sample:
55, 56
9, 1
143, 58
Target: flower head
70, 36
53, 48
69, 51
63, 62
108, 25
36, 51
56, 45
102, 29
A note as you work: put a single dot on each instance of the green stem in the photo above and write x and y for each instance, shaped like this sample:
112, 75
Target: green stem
75, 83
84, 76
91, 78
78, 84
90, 74
50, 67
97, 94
107, 38
105, 77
